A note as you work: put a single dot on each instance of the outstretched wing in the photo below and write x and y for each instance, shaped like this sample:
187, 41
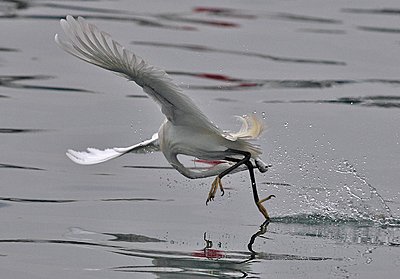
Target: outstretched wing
95, 156
88, 43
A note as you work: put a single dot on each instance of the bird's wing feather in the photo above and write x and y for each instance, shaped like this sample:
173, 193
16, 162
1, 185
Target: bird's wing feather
95, 156
88, 43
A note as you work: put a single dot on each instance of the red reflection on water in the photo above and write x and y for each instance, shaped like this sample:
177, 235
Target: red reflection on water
216, 76
240, 83
209, 253
210, 10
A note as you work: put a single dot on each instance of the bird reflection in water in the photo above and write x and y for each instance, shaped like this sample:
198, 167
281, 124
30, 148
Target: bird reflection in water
207, 262
259, 233
210, 253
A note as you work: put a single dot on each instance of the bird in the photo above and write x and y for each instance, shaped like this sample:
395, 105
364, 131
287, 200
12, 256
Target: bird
186, 130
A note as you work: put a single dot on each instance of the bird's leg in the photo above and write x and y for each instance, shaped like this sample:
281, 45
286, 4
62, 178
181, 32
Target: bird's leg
257, 200
217, 181
250, 167
213, 190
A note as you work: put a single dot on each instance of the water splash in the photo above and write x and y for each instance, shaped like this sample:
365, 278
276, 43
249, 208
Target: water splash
328, 191
331, 199
364, 200
349, 198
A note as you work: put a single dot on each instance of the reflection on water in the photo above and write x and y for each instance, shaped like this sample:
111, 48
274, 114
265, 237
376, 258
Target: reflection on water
225, 12
14, 82
233, 83
22, 200
18, 131
323, 31
211, 262
303, 18
380, 29
125, 199
7, 49
166, 263
367, 101
10, 166
382, 11
144, 19
204, 48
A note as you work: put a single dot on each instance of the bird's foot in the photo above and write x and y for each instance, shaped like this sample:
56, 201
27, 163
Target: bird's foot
262, 209
214, 187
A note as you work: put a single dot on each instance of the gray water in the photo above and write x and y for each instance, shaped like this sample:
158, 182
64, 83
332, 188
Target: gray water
323, 75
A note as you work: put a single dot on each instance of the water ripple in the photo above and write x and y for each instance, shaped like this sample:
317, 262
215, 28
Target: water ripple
10, 166
7, 49
19, 131
204, 48
323, 31
30, 200
303, 18
224, 12
228, 83
365, 101
197, 21
379, 29
22, 200
13, 82
383, 11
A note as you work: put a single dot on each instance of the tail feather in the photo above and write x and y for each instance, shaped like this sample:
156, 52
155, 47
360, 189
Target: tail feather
251, 128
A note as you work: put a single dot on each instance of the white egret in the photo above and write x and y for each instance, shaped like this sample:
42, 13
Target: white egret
185, 131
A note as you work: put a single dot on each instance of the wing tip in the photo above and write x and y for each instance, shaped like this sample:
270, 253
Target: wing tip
74, 157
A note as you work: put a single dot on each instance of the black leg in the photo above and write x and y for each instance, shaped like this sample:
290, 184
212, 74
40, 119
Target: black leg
253, 181
250, 167
239, 162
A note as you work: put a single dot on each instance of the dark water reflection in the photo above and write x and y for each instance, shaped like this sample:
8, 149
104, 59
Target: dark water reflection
382, 11
14, 82
367, 101
232, 83
323, 31
203, 48
19, 131
157, 20
211, 262
7, 49
380, 29
54, 201
22, 200
303, 18
11, 166
208, 262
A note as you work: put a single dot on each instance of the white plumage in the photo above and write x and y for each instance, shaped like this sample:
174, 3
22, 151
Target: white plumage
186, 130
